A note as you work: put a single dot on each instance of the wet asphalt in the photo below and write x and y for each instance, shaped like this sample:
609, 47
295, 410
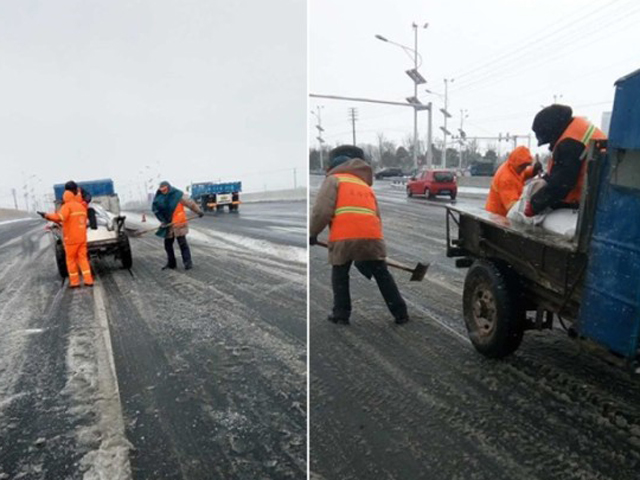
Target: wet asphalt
210, 362
417, 402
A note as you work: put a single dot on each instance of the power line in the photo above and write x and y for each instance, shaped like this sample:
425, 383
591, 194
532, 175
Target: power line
571, 23
503, 73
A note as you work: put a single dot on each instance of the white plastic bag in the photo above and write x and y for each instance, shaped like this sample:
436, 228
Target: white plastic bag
516, 212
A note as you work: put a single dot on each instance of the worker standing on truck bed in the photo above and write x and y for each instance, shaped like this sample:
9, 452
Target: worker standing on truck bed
347, 204
568, 138
73, 218
168, 206
508, 181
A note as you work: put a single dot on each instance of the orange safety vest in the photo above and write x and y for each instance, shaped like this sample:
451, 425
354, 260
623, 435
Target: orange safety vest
179, 217
356, 212
583, 131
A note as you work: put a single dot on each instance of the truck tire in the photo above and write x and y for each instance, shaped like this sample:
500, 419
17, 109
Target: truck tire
61, 260
453, 196
124, 253
492, 313
409, 192
428, 194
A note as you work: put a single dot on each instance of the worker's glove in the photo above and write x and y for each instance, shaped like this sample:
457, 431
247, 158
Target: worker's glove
313, 240
528, 210
200, 214
164, 225
42, 214
537, 168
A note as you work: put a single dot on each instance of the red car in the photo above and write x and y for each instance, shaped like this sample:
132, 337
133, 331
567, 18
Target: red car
433, 182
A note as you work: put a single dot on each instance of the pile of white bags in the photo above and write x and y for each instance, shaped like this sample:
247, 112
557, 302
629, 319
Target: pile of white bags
562, 221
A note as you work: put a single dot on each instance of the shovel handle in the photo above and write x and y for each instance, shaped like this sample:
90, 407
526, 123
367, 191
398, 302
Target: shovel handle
142, 232
389, 262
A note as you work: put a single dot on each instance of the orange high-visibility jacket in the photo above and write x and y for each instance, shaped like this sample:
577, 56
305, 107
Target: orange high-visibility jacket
73, 217
356, 213
179, 218
582, 130
507, 184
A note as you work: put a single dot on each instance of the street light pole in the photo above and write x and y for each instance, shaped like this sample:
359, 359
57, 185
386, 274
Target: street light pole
417, 80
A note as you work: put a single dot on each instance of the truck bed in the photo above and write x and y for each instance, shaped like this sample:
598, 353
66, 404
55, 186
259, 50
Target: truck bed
530, 232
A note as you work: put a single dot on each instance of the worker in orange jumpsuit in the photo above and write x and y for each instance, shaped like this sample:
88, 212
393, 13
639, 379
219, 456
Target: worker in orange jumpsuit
73, 218
508, 181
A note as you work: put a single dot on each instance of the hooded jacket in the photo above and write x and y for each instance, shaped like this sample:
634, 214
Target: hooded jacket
507, 184
73, 218
549, 125
343, 251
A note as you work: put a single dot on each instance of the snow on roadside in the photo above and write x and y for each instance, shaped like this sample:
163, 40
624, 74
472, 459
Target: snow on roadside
16, 220
231, 241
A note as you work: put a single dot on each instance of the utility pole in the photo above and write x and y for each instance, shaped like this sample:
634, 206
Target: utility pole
463, 135
415, 95
430, 138
295, 179
353, 115
320, 131
447, 115
15, 198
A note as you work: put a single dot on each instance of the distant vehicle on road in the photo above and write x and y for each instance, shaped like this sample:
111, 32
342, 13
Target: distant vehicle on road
484, 169
433, 182
109, 236
214, 196
389, 172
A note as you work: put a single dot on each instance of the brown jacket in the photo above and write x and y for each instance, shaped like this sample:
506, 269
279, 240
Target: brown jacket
182, 230
344, 251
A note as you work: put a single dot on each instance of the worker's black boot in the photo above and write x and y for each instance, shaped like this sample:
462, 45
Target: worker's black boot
402, 319
188, 265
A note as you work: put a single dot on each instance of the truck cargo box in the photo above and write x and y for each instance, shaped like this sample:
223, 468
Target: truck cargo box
205, 188
94, 187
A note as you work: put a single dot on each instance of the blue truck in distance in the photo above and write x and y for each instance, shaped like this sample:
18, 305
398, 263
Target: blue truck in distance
214, 196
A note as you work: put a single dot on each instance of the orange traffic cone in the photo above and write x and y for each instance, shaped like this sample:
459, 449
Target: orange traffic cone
144, 217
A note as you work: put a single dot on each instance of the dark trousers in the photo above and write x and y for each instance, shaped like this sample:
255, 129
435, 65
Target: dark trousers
184, 249
386, 284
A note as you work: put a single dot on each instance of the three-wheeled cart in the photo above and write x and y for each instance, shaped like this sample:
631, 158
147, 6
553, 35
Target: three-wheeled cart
522, 277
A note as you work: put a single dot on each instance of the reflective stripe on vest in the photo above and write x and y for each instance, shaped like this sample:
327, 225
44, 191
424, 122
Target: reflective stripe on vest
355, 215
583, 131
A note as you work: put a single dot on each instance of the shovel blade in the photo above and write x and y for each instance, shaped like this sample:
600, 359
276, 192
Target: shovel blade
419, 272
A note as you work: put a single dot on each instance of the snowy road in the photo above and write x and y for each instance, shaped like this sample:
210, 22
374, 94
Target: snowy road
172, 375
417, 402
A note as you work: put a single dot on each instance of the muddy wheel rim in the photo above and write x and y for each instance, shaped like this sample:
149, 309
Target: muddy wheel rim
484, 311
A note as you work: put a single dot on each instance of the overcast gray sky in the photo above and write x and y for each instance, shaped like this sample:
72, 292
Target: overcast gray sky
193, 89
507, 58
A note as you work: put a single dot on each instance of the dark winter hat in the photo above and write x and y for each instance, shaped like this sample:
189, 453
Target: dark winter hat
550, 122
165, 184
71, 186
344, 153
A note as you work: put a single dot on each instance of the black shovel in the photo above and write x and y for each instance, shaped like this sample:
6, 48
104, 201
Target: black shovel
417, 273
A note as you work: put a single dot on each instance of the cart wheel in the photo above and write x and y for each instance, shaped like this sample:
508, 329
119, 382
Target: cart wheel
492, 313
409, 192
125, 253
219, 208
61, 260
